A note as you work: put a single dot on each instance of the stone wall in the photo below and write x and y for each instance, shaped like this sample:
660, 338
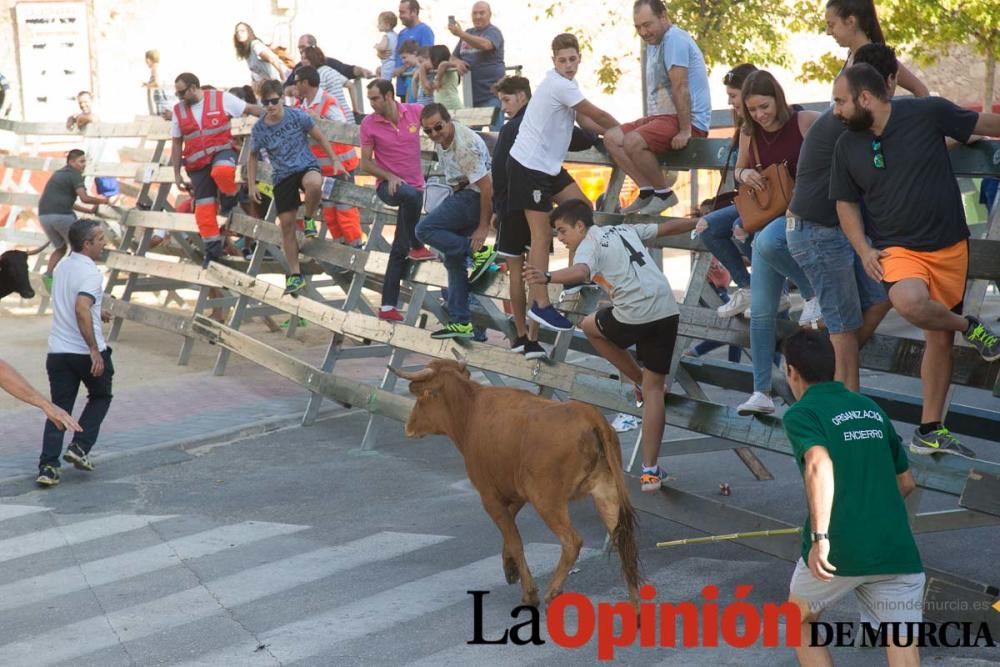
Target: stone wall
959, 76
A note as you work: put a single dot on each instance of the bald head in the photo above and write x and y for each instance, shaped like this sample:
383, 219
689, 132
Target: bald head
481, 14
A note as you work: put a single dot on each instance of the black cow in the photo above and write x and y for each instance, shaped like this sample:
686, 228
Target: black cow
14, 274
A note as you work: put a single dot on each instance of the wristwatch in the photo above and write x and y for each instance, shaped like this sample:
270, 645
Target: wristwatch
816, 537
548, 277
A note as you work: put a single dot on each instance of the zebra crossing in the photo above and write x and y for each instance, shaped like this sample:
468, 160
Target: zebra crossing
197, 595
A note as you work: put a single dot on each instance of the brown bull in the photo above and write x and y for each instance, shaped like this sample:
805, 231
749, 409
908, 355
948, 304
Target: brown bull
520, 448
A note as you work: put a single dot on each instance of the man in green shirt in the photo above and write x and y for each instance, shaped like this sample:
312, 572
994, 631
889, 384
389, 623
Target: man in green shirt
857, 536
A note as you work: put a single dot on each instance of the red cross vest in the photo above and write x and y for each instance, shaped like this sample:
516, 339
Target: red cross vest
213, 136
346, 152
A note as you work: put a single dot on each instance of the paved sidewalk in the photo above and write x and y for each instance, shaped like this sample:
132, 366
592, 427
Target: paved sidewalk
179, 407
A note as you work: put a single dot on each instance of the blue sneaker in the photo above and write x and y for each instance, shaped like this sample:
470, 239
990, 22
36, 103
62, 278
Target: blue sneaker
549, 318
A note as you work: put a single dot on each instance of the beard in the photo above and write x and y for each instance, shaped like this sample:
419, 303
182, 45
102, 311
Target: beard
861, 120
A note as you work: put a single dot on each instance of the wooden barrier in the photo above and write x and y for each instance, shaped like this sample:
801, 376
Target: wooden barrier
976, 485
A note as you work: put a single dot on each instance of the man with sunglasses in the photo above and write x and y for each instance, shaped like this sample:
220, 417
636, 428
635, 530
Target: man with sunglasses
202, 139
458, 226
894, 157
284, 134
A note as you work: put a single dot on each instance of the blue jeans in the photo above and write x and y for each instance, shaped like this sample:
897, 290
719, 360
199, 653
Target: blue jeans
706, 346
845, 291
410, 202
718, 238
772, 263
447, 229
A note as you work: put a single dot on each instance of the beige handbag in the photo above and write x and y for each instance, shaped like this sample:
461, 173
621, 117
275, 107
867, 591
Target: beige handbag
758, 208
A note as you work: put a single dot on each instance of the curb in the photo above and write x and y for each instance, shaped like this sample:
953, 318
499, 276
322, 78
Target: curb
240, 432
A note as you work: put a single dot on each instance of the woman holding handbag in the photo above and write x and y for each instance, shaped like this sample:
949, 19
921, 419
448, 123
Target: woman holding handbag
771, 136
716, 227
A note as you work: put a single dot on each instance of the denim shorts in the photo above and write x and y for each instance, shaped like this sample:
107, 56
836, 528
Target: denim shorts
844, 290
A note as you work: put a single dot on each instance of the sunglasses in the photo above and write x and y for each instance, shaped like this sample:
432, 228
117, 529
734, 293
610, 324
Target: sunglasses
271, 101
730, 80
433, 130
878, 159
182, 93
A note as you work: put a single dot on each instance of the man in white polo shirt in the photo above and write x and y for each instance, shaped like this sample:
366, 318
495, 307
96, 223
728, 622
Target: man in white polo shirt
77, 351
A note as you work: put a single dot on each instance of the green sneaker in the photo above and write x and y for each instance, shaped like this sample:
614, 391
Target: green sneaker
454, 330
985, 341
294, 284
940, 441
287, 323
481, 261
47, 283
311, 229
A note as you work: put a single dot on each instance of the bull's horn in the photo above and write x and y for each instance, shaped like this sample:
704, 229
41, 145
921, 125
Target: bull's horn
38, 249
416, 376
459, 356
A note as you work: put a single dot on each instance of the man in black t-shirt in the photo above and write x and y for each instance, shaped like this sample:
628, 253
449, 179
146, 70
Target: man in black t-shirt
852, 303
894, 156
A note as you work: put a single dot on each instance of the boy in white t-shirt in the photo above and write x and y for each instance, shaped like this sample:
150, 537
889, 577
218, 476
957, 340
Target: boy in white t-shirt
642, 312
535, 173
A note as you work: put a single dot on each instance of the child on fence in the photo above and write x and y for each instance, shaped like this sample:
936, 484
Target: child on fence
446, 78
409, 51
642, 312
385, 48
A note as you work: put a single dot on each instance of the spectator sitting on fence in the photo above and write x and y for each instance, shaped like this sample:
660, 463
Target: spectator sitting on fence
853, 304
914, 216
56, 206
390, 151
513, 235
413, 28
284, 136
479, 54
261, 60
854, 23
385, 48
678, 104
77, 351
642, 312
457, 227
342, 220
716, 228
446, 79
857, 536
202, 139
536, 177
771, 133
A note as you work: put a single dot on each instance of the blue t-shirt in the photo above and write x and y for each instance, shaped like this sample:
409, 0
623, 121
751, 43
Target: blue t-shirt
677, 49
424, 36
286, 143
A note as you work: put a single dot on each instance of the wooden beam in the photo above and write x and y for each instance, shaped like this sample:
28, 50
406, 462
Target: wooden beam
181, 272
982, 492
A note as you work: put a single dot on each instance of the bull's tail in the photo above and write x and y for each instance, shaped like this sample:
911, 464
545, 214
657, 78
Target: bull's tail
624, 536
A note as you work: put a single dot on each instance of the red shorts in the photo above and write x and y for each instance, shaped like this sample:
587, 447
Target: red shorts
657, 131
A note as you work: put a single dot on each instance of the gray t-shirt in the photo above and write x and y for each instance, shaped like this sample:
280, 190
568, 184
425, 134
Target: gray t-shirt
811, 198
286, 143
466, 161
59, 194
640, 293
260, 69
486, 67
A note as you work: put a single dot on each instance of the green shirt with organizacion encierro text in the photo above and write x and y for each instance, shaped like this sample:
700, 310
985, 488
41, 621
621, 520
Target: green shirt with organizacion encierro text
869, 530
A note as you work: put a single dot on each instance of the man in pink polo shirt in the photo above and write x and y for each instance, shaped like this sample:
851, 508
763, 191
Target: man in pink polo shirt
390, 150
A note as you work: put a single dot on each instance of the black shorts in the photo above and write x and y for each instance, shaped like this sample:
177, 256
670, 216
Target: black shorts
654, 341
286, 192
530, 190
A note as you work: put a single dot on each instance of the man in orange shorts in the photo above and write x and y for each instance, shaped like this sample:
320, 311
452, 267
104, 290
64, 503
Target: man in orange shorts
678, 104
894, 158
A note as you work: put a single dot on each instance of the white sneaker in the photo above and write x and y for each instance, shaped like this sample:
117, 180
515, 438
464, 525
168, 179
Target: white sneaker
738, 303
624, 423
759, 403
811, 313
659, 204
636, 206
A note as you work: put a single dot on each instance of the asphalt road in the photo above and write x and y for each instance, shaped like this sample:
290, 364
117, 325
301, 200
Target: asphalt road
295, 547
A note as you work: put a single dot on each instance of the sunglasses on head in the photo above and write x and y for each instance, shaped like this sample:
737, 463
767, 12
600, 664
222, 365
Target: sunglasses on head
434, 129
271, 101
878, 159
729, 79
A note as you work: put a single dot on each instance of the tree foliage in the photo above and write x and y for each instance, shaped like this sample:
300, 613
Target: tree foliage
728, 31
